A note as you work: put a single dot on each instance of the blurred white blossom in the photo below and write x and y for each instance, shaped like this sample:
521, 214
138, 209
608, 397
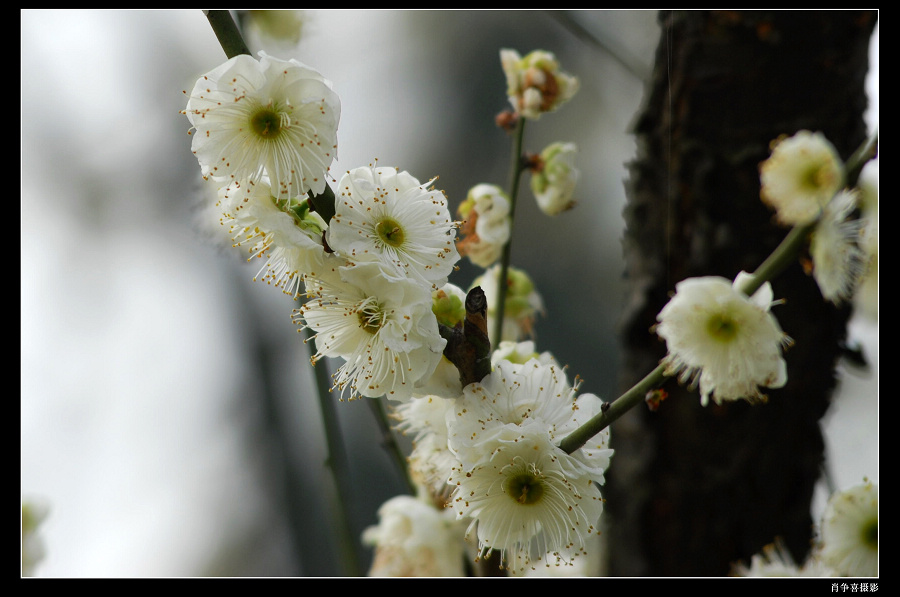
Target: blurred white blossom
415, 538
723, 340
554, 178
534, 83
800, 177
848, 533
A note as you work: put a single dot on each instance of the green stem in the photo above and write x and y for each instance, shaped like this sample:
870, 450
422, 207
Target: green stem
227, 32
516, 168
784, 254
863, 154
616, 409
390, 443
338, 465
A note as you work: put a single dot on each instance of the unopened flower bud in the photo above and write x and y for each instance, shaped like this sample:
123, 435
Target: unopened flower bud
534, 83
554, 177
486, 224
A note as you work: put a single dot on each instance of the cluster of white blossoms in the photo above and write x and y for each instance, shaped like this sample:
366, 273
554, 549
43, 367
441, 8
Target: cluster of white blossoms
395, 238
730, 344
526, 497
266, 133
491, 454
373, 274
803, 181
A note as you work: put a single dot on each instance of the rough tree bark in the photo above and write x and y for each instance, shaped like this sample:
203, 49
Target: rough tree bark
695, 489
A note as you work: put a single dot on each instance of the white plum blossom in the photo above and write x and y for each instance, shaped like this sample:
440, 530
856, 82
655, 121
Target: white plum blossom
554, 178
526, 497
414, 538
722, 339
800, 177
384, 329
486, 226
270, 117
388, 217
848, 533
838, 261
534, 84
285, 232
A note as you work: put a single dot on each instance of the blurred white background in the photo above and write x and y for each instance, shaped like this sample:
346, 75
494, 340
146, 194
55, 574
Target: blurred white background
166, 420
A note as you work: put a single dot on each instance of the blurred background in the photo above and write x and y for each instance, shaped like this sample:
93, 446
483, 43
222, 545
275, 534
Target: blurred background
167, 417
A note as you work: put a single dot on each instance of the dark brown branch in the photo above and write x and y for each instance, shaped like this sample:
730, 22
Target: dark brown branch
468, 346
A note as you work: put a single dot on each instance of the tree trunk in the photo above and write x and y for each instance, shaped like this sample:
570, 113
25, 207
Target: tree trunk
693, 489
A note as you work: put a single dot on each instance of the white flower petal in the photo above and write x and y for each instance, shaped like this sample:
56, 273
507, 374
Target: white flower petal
721, 339
849, 531
800, 177
384, 329
387, 217
265, 117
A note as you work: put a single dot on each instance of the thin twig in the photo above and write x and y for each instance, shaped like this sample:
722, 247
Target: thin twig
516, 168
389, 442
783, 254
227, 32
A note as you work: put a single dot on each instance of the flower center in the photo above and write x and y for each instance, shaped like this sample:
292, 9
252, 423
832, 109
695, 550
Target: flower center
817, 177
390, 232
525, 488
371, 316
722, 327
544, 81
870, 534
268, 122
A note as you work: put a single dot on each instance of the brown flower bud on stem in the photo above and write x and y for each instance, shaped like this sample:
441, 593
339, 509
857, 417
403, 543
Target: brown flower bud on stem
507, 120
